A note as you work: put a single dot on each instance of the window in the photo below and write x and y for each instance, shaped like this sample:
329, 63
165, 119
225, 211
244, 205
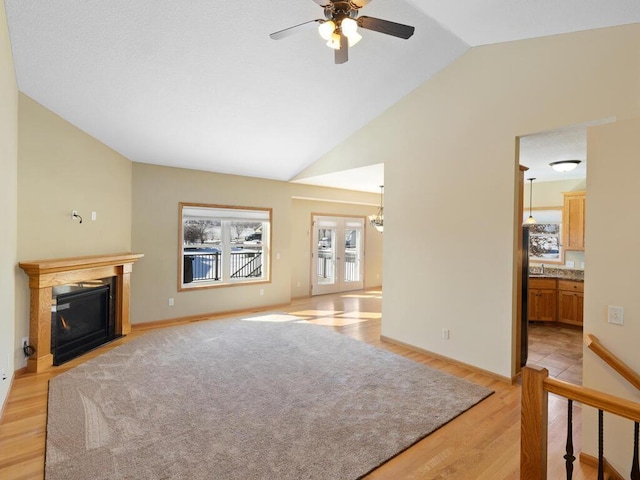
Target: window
223, 245
545, 235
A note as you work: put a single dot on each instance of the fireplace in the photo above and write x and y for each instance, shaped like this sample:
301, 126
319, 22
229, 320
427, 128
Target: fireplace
45, 275
82, 318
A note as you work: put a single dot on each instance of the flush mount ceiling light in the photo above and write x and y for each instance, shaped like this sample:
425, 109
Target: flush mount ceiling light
564, 165
377, 220
530, 220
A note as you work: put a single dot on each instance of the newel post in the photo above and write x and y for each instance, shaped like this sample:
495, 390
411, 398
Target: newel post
533, 424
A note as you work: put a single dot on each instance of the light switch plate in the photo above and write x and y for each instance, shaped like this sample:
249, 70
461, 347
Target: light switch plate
615, 315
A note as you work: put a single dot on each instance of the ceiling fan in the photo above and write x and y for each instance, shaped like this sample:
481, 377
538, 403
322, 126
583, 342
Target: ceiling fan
340, 26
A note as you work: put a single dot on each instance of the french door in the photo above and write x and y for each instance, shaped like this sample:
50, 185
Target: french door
337, 257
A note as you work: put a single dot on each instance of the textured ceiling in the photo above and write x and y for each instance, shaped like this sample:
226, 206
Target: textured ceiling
201, 85
538, 150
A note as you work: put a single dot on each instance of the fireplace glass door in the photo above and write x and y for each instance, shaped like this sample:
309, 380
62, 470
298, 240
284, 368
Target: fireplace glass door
82, 319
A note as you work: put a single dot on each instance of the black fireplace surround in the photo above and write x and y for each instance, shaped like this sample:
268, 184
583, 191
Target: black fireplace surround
82, 318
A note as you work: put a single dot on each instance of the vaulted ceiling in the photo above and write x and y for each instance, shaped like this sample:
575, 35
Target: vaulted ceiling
200, 84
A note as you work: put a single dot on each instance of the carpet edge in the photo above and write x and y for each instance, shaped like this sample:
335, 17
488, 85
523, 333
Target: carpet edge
491, 392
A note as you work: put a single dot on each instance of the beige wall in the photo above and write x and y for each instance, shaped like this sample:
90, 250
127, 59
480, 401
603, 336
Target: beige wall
62, 169
612, 275
156, 193
549, 194
8, 206
449, 159
450, 170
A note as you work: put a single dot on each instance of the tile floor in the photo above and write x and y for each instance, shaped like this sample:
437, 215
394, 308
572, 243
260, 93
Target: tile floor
558, 349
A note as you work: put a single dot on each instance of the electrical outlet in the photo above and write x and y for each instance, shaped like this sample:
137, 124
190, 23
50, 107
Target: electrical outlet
25, 341
3, 376
74, 214
445, 333
262, 291
171, 302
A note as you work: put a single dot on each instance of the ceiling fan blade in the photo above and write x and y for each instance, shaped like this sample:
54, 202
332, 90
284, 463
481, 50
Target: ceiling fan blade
385, 26
295, 29
342, 55
360, 3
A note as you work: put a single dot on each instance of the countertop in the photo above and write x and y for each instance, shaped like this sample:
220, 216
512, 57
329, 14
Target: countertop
557, 272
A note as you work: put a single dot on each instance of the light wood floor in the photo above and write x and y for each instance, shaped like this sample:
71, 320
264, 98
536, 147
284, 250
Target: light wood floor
482, 443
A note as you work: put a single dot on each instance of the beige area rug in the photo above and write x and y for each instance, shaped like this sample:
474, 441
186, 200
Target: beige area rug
241, 400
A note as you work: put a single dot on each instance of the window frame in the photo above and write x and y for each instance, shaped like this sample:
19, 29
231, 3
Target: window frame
225, 280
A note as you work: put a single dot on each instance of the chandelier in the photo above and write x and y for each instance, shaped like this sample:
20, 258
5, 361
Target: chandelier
377, 220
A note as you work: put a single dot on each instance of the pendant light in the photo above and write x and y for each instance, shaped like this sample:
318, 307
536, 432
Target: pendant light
530, 220
377, 220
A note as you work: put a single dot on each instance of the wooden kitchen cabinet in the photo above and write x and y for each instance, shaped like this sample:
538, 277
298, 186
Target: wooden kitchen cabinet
570, 302
573, 220
542, 299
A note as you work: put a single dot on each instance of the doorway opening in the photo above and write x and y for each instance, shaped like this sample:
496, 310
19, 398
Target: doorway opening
553, 256
337, 257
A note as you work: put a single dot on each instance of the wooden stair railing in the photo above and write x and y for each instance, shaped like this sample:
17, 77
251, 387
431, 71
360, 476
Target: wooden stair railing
632, 377
536, 385
610, 359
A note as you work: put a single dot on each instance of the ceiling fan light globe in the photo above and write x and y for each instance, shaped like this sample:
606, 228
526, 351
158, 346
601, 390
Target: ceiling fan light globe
326, 29
349, 26
334, 41
354, 38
